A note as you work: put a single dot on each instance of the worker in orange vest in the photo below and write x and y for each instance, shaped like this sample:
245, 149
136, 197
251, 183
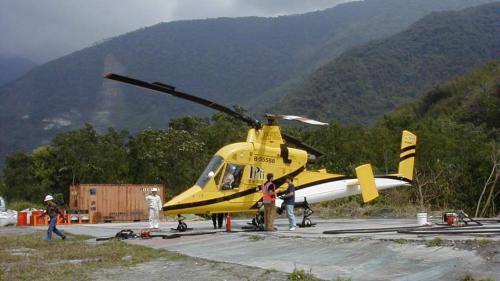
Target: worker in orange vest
269, 198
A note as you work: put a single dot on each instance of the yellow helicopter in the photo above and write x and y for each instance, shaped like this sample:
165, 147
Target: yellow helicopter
231, 181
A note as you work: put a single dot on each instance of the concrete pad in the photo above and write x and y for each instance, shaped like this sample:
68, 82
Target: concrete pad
372, 256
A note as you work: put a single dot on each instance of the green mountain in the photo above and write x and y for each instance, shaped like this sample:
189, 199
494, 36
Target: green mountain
230, 60
472, 98
364, 83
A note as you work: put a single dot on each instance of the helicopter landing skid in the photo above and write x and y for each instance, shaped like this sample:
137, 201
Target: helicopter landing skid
257, 222
251, 228
182, 226
306, 221
182, 229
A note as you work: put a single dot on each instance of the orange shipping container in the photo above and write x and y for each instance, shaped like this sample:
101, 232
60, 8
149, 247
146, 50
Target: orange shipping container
113, 202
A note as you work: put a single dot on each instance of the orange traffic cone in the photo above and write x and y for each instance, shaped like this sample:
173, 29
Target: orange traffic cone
228, 223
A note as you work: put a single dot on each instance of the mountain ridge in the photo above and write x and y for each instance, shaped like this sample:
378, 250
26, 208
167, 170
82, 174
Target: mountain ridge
365, 82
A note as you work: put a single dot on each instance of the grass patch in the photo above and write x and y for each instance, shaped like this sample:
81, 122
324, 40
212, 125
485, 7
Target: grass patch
478, 242
348, 239
256, 237
470, 277
402, 241
301, 275
436, 242
264, 276
32, 257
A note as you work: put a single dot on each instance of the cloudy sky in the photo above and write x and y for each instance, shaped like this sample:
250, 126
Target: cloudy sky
42, 30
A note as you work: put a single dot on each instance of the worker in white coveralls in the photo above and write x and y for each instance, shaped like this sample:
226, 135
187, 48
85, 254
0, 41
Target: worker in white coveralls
154, 201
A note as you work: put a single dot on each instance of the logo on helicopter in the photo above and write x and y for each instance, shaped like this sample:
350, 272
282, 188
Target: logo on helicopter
257, 173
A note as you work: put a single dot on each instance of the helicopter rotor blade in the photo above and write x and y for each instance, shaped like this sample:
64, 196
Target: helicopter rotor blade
292, 140
296, 118
170, 90
301, 145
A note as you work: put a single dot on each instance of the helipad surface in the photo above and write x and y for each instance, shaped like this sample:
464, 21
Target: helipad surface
369, 256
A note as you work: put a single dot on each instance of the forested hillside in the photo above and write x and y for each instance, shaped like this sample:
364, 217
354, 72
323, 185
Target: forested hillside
229, 60
473, 98
370, 80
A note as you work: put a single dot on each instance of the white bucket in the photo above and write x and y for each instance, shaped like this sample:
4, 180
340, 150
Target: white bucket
421, 218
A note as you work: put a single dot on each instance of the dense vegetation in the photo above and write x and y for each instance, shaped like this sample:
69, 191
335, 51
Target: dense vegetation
232, 61
456, 124
174, 157
368, 81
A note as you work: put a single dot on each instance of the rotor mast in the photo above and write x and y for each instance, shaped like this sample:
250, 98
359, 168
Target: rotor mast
268, 134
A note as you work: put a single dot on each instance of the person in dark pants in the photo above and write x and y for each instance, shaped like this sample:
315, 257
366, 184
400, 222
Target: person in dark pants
52, 211
218, 219
289, 201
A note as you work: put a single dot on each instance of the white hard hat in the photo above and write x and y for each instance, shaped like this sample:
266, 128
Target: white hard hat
154, 189
48, 198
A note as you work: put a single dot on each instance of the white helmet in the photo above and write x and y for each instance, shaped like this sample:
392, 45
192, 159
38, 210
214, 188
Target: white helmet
154, 189
48, 198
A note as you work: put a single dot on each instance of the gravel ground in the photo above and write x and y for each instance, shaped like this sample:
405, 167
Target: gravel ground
188, 269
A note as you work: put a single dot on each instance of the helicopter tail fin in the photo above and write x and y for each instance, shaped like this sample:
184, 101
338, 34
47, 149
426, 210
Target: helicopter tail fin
367, 182
407, 155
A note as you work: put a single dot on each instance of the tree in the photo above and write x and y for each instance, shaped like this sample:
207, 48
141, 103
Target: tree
489, 207
18, 177
452, 162
2, 186
112, 157
171, 157
77, 155
44, 171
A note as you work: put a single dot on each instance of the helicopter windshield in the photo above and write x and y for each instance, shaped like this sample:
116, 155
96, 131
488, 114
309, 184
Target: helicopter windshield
212, 166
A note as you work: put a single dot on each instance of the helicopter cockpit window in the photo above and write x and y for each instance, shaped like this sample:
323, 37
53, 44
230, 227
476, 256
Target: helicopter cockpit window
232, 176
209, 171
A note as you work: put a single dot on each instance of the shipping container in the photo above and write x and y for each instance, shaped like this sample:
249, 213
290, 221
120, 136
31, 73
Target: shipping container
113, 202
